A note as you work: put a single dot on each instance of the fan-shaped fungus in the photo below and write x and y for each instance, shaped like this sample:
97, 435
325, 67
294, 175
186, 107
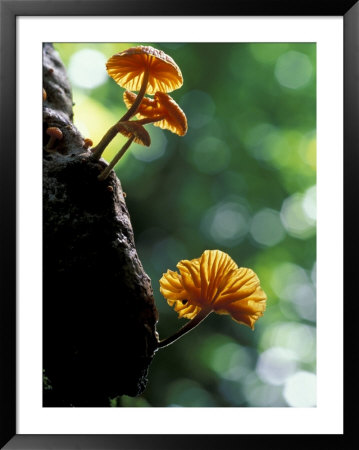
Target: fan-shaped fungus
210, 283
55, 134
144, 69
135, 132
164, 111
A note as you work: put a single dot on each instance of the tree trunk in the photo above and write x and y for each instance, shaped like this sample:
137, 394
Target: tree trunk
99, 316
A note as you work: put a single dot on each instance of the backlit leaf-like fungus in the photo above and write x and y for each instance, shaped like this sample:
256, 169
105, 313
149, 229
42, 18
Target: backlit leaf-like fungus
212, 283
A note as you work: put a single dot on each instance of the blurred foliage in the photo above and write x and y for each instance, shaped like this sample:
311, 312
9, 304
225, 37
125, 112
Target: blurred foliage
242, 180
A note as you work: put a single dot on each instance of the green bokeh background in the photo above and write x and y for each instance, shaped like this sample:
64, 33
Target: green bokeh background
242, 180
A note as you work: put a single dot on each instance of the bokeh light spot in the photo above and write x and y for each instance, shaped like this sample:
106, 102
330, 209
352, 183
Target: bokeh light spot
87, 68
310, 203
261, 394
226, 223
286, 275
292, 284
280, 148
294, 336
304, 300
295, 219
230, 361
211, 155
293, 69
266, 227
300, 390
275, 365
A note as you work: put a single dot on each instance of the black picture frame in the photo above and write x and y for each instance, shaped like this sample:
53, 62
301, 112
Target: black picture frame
10, 9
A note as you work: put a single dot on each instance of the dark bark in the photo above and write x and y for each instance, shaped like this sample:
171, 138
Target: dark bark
99, 316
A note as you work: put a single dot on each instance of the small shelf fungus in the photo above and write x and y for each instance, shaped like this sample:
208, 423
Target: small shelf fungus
212, 283
149, 71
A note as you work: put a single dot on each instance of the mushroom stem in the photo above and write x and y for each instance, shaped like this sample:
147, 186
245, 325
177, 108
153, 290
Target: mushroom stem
185, 329
132, 111
50, 143
105, 173
111, 133
55, 134
107, 138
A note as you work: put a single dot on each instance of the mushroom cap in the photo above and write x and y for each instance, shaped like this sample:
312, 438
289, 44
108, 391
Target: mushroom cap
162, 105
127, 68
130, 129
54, 132
214, 281
88, 142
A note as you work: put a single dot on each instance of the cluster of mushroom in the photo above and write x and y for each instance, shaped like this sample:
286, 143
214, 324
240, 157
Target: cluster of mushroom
148, 71
213, 282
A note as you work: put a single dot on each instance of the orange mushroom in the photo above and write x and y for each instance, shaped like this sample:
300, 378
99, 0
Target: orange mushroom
88, 143
212, 283
55, 134
164, 111
144, 69
129, 129
135, 132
